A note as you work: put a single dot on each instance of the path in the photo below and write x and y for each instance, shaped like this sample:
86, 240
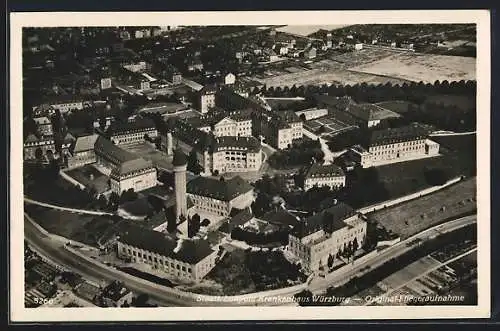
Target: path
329, 155
72, 210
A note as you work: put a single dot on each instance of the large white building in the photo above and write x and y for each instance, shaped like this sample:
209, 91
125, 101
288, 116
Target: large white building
395, 145
232, 154
326, 234
324, 175
221, 123
132, 132
126, 171
280, 129
185, 259
205, 99
217, 197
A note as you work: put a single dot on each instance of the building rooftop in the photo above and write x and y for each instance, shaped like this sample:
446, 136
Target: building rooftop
85, 143
214, 188
250, 144
106, 146
396, 135
118, 127
318, 171
329, 220
115, 291
131, 166
42, 120
280, 217
242, 217
371, 112
190, 251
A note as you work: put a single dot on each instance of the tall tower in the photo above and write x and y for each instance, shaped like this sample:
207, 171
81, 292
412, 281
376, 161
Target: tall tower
169, 143
180, 168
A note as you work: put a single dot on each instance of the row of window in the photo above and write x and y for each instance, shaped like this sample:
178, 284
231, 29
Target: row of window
150, 258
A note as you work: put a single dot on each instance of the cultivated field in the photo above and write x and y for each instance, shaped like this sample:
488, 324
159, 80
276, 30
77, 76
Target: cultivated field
422, 67
414, 216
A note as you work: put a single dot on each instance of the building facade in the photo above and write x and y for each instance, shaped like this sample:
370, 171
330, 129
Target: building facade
205, 99
132, 132
33, 143
126, 171
187, 260
395, 145
83, 152
216, 197
233, 154
326, 234
324, 175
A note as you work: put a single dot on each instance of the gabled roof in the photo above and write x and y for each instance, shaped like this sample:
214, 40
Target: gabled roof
190, 251
280, 217
317, 171
330, 220
106, 146
371, 112
85, 143
395, 135
131, 166
42, 120
250, 144
214, 188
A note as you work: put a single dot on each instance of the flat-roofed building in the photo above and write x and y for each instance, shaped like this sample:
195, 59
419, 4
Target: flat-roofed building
326, 234
324, 175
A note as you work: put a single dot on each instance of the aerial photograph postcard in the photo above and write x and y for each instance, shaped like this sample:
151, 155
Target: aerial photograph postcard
240, 167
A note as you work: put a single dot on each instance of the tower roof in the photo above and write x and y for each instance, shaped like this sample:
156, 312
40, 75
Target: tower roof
179, 158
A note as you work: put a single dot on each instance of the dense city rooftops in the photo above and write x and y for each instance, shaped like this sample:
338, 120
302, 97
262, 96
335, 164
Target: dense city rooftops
189, 251
396, 135
214, 188
329, 220
318, 171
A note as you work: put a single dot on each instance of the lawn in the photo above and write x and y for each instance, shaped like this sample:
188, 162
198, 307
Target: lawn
88, 229
416, 215
406, 177
61, 193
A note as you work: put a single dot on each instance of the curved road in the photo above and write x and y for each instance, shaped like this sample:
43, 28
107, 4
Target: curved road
97, 272
73, 210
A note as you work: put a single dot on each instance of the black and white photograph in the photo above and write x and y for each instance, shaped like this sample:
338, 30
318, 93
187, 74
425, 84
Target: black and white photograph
246, 167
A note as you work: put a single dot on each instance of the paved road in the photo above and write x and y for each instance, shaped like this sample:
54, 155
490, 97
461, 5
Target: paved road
164, 297
441, 134
337, 279
54, 250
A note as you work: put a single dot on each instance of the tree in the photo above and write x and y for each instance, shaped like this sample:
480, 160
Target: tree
330, 261
39, 154
205, 222
194, 225
355, 244
114, 200
192, 163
